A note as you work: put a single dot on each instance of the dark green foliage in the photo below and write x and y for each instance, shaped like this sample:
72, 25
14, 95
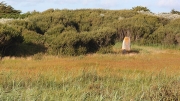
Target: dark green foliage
33, 42
76, 32
140, 8
6, 11
73, 43
65, 34
23, 25
33, 37
25, 49
56, 30
4, 8
139, 27
175, 12
168, 34
9, 36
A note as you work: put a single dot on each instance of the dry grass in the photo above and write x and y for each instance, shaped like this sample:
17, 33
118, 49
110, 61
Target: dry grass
159, 60
148, 60
92, 76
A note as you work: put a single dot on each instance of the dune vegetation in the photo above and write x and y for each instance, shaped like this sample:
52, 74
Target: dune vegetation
83, 31
75, 55
151, 74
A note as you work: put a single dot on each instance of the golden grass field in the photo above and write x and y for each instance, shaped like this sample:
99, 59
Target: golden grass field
93, 77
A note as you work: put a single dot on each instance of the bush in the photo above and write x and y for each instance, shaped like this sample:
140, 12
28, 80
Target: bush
105, 50
140, 8
33, 37
139, 28
76, 32
9, 36
169, 34
56, 30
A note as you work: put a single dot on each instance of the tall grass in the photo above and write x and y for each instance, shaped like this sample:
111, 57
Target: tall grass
131, 85
146, 76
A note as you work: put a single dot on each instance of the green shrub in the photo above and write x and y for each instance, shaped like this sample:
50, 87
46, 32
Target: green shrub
140, 8
139, 28
169, 34
33, 37
9, 36
90, 30
105, 50
56, 30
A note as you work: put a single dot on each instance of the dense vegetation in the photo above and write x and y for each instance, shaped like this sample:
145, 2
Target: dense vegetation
7, 11
175, 12
81, 31
153, 75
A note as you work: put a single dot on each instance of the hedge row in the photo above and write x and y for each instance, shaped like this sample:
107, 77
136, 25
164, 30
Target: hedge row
75, 32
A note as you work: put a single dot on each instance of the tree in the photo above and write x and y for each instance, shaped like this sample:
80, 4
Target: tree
140, 8
175, 12
7, 11
4, 8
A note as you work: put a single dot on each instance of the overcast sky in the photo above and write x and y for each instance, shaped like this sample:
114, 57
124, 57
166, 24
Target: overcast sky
155, 6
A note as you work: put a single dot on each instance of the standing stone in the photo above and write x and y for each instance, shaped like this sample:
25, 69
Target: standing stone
126, 45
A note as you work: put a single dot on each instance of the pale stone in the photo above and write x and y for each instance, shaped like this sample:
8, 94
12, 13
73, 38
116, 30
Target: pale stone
126, 45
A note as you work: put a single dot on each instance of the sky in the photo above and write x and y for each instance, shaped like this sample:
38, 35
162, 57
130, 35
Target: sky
155, 6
